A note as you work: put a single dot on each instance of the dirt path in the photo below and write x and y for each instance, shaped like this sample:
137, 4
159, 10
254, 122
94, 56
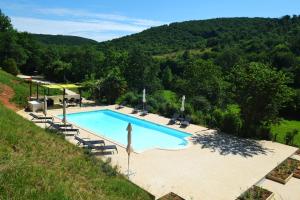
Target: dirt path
6, 93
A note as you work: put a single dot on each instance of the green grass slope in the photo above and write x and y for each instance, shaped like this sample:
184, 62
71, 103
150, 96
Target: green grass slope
19, 86
36, 164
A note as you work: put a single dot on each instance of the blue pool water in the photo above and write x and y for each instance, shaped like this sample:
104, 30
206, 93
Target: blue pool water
145, 135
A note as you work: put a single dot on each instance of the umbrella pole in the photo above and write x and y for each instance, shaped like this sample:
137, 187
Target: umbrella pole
30, 90
37, 91
128, 172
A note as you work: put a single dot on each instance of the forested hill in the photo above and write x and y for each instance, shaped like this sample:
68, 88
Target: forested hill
63, 39
249, 33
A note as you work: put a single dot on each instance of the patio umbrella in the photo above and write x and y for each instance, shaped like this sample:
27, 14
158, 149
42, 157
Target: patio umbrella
129, 148
182, 103
45, 106
144, 98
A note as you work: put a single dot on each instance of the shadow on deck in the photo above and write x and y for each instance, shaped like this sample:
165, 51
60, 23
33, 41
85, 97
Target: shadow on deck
228, 144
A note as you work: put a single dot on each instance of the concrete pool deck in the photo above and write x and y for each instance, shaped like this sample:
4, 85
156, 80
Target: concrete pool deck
213, 166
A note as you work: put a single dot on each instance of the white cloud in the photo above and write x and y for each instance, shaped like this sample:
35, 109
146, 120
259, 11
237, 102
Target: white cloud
65, 21
98, 30
64, 12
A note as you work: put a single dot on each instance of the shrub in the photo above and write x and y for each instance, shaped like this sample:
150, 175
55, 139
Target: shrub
290, 136
229, 121
10, 66
232, 123
201, 103
216, 118
198, 118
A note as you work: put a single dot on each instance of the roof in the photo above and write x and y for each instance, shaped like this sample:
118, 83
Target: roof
61, 86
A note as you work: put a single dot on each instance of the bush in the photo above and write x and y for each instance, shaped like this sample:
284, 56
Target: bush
199, 118
229, 121
168, 109
290, 136
201, 103
130, 97
216, 118
264, 132
10, 66
232, 123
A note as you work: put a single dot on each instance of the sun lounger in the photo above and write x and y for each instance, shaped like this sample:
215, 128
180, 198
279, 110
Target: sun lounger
103, 148
66, 130
136, 110
59, 125
87, 142
185, 122
174, 119
144, 112
39, 117
122, 105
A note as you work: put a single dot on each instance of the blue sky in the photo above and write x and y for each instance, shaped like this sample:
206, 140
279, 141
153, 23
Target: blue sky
107, 19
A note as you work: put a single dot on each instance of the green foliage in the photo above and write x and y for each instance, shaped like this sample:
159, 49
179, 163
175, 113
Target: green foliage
20, 88
292, 107
251, 34
113, 86
260, 91
280, 130
228, 120
58, 70
203, 78
290, 136
36, 164
201, 103
5, 23
142, 72
167, 78
63, 40
10, 66
255, 193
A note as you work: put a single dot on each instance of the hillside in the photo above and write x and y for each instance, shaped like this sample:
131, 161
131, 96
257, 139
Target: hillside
63, 40
212, 33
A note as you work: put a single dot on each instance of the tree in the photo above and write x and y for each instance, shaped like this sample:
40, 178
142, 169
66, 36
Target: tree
142, 72
5, 23
10, 66
167, 77
205, 79
227, 59
10, 48
260, 91
113, 86
58, 71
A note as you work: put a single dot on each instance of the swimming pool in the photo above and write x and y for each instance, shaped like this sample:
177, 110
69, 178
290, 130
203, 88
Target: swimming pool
145, 135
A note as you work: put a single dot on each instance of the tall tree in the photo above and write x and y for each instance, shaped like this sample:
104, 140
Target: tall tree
142, 72
113, 86
5, 23
260, 91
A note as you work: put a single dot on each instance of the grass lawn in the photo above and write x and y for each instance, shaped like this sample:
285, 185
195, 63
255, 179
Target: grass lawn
285, 126
37, 164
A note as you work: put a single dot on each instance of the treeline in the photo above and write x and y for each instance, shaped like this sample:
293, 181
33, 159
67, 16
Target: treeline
239, 75
63, 40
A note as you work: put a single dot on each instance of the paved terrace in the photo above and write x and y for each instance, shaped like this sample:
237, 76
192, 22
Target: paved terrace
214, 166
